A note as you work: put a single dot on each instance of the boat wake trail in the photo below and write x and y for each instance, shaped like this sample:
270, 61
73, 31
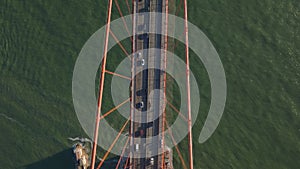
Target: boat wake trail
12, 119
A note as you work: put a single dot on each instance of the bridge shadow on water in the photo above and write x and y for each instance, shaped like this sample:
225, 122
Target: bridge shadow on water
61, 160
64, 160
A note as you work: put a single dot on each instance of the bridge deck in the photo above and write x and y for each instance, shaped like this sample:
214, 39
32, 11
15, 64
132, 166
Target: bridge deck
147, 97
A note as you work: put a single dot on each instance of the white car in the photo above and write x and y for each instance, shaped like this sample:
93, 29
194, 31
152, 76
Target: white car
140, 105
142, 62
139, 54
137, 147
151, 160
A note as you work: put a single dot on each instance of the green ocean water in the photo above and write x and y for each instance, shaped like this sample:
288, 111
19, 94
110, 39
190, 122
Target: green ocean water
258, 43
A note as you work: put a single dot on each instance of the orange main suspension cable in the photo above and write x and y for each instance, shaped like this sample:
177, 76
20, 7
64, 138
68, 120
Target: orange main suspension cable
101, 87
165, 83
112, 145
190, 138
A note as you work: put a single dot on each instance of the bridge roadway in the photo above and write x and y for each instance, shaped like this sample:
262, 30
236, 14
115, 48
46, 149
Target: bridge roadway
145, 84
